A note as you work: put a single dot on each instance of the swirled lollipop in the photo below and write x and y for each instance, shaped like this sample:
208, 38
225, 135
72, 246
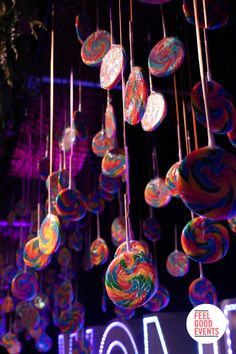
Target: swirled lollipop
207, 183
34, 258
101, 143
64, 257
113, 163
64, 295
205, 240
118, 230
202, 291
171, 179
111, 68
131, 280
177, 264
232, 224
95, 203
135, 246
24, 286
108, 184
217, 13
95, 47
159, 301
156, 193
99, 251
70, 205
166, 57
110, 121
68, 322
49, 234
82, 27
152, 229
136, 94
155, 112
222, 113
69, 137
43, 344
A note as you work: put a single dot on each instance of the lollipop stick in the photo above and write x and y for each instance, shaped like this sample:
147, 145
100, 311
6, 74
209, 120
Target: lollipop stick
149, 73
131, 36
38, 217
98, 226
201, 270
177, 118
80, 92
176, 238
185, 125
163, 22
209, 76
111, 26
71, 126
127, 225
151, 212
155, 163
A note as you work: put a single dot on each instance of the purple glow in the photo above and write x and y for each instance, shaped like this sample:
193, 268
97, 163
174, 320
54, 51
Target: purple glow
15, 224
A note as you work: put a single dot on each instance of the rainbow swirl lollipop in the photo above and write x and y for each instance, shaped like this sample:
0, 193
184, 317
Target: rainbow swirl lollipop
131, 280
43, 344
69, 137
70, 205
110, 121
64, 257
99, 252
49, 234
207, 183
217, 13
156, 193
135, 246
107, 196
152, 229
64, 295
232, 224
9, 341
204, 240
111, 68
136, 94
166, 57
118, 230
108, 184
159, 301
155, 113
124, 314
202, 291
171, 179
95, 48
101, 143
82, 27
113, 163
68, 322
222, 113
95, 203
34, 258
177, 264
24, 286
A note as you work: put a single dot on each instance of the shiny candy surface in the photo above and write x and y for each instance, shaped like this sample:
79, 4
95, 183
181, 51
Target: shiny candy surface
95, 203
232, 224
166, 57
70, 205
135, 246
207, 183
136, 94
112, 65
155, 112
99, 252
204, 240
118, 230
49, 234
110, 121
171, 179
152, 229
34, 258
101, 143
95, 47
177, 264
113, 163
156, 193
159, 301
202, 291
131, 280
69, 137
24, 286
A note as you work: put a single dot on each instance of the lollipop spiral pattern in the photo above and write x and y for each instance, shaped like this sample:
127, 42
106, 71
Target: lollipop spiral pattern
177, 264
99, 252
113, 163
70, 205
232, 224
108, 184
155, 113
207, 183
135, 246
68, 322
131, 280
152, 229
101, 143
111, 68
136, 94
118, 230
156, 193
34, 258
95, 47
95, 203
24, 286
49, 234
204, 240
64, 295
166, 57
202, 291
159, 301
222, 113
171, 179
110, 121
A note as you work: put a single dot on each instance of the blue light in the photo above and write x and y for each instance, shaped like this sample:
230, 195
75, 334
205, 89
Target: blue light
149, 320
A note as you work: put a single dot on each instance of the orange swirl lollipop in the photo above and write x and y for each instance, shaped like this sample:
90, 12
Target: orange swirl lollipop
156, 193
99, 251
49, 234
33, 257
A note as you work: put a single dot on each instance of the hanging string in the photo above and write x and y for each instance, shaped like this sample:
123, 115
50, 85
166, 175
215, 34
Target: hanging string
201, 270
65, 122
46, 146
211, 142
127, 229
97, 16
38, 217
98, 226
163, 22
80, 90
110, 18
149, 72
131, 36
209, 76
177, 118
120, 24
176, 238
185, 125
71, 126
155, 163
121, 205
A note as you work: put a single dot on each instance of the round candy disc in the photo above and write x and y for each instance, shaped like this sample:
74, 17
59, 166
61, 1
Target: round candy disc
70, 205
156, 193
49, 234
202, 291
152, 229
217, 13
155, 112
110, 121
111, 68
177, 264
34, 258
82, 27
68, 138
232, 224
101, 143
118, 231
171, 179
95, 203
159, 301
131, 280
68, 322
222, 113
166, 57
108, 184
44, 343
136, 93
207, 183
113, 163
205, 240
95, 47
135, 246
24, 286
99, 252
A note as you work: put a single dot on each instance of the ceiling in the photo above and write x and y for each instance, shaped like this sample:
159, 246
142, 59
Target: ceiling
25, 143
